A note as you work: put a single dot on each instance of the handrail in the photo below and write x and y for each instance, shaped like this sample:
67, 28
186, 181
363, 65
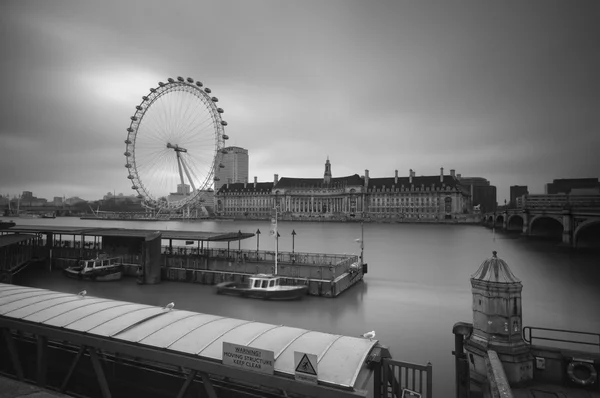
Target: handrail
528, 336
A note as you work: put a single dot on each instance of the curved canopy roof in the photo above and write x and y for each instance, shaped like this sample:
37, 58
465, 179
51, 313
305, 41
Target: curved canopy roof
495, 270
340, 358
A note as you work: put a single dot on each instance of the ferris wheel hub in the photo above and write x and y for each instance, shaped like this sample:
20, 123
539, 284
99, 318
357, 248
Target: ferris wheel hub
176, 147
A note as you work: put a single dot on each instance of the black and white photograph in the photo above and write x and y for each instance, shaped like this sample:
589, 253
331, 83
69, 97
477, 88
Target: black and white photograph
286, 198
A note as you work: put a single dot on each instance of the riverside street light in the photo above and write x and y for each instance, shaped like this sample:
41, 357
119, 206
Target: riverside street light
257, 239
293, 236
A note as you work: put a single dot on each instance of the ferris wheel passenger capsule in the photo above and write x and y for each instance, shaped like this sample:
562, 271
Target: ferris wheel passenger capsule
145, 98
171, 80
152, 90
215, 99
130, 177
161, 84
180, 78
129, 129
134, 118
139, 108
223, 123
128, 166
127, 154
190, 80
134, 187
221, 165
199, 84
225, 137
220, 110
217, 179
207, 90
128, 142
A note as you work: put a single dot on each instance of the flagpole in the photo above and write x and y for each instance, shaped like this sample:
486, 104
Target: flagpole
277, 241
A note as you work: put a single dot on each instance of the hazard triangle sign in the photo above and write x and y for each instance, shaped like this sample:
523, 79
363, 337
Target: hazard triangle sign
305, 366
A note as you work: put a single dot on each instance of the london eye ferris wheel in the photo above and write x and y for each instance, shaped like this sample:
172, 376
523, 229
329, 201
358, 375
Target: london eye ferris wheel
174, 142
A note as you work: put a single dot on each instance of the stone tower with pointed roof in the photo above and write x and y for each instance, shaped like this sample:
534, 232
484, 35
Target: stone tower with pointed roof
327, 174
497, 322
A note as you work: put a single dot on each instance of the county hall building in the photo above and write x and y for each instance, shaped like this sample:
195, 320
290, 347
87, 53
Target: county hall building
344, 198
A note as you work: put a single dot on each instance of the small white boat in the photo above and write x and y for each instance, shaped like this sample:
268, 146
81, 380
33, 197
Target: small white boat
264, 286
102, 269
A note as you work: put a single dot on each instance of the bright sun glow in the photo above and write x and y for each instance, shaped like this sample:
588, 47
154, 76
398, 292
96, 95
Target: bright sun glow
120, 86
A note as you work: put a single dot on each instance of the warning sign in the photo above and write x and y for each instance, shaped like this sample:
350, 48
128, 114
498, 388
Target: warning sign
305, 366
249, 358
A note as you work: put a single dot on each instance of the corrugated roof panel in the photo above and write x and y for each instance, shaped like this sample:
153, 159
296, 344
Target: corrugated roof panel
120, 324
178, 330
197, 340
69, 317
6, 288
341, 358
9, 308
17, 297
54, 311
154, 325
92, 321
342, 362
311, 343
37, 307
241, 335
277, 340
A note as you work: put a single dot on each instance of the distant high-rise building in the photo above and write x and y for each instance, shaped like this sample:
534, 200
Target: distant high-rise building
516, 191
482, 193
574, 186
233, 167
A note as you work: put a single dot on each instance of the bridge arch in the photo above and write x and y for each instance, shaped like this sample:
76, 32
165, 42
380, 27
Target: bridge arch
546, 225
499, 219
583, 226
515, 222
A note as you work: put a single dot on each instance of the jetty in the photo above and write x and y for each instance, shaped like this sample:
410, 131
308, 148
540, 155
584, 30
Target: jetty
189, 256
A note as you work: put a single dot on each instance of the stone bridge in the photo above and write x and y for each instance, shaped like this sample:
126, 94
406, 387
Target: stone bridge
571, 214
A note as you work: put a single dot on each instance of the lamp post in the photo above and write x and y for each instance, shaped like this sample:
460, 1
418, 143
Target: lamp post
257, 240
293, 236
277, 240
240, 240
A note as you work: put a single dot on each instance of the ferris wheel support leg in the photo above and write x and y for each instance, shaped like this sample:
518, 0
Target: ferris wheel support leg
180, 171
187, 172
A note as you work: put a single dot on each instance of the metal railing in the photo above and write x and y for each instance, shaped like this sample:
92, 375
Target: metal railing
400, 376
528, 336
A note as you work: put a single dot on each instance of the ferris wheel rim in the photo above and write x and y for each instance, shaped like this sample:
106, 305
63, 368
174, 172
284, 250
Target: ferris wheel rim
173, 85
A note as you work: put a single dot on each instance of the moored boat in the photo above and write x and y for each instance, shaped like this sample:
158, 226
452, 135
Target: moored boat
263, 286
102, 269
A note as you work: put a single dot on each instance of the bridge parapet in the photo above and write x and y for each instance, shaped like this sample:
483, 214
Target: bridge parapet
558, 201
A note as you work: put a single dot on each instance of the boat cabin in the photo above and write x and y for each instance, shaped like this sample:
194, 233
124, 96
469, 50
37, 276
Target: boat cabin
264, 281
100, 262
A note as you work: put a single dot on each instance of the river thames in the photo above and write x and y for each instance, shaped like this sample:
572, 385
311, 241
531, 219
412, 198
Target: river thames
416, 288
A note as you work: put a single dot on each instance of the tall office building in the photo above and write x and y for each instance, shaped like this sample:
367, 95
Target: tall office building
232, 168
482, 193
516, 191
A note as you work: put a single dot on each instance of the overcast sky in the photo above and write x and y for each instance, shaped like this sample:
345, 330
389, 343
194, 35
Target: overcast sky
506, 90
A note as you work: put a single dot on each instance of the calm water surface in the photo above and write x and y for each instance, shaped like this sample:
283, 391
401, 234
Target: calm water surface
416, 289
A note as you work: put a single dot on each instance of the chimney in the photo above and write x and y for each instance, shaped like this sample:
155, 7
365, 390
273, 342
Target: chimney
452, 173
441, 174
275, 178
410, 176
254, 181
396, 177
245, 182
228, 183
458, 176
366, 178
